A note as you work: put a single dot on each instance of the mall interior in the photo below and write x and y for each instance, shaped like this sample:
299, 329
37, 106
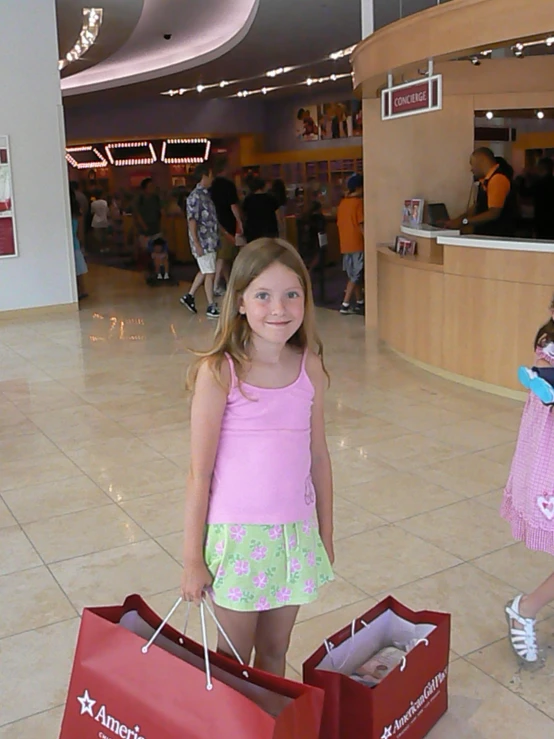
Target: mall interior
429, 427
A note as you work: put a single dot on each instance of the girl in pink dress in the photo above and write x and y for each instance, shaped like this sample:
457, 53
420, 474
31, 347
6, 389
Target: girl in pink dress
529, 502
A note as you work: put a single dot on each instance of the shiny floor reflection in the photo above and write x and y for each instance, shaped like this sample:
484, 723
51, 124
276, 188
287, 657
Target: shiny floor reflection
94, 450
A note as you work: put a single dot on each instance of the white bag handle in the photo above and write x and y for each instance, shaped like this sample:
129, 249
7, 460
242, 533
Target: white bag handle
404, 662
203, 607
329, 646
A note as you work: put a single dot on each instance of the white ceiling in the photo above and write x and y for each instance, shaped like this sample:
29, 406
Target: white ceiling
121, 17
200, 31
211, 40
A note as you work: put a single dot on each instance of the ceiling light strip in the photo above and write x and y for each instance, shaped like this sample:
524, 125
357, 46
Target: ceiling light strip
99, 162
272, 73
309, 82
131, 145
92, 21
185, 160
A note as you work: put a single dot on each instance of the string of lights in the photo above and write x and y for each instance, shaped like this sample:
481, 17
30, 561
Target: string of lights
309, 82
272, 74
92, 21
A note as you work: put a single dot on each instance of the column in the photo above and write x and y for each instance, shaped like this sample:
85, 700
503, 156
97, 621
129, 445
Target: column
31, 115
368, 18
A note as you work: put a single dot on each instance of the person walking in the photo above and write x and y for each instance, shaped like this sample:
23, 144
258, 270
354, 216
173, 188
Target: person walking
204, 240
350, 222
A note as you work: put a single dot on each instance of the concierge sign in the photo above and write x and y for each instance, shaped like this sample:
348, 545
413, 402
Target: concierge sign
8, 245
412, 98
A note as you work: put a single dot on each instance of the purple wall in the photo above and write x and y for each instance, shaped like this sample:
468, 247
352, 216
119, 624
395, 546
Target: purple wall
280, 120
163, 116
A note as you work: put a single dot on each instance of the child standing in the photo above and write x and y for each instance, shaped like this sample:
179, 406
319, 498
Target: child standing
529, 503
259, 509
540, 379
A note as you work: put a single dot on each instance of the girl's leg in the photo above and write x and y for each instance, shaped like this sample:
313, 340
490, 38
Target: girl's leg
241, 630
538, 599
273, 639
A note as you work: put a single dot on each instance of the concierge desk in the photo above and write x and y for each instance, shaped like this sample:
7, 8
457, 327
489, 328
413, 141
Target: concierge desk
466, 307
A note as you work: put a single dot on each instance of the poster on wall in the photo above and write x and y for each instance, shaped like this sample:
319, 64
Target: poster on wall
306, 128
341, 120
8, 243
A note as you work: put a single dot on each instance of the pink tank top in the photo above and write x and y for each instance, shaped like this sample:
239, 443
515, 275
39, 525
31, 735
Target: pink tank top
262, 472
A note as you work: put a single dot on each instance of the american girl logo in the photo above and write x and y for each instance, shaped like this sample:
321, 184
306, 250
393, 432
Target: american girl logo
110, 723
431, 690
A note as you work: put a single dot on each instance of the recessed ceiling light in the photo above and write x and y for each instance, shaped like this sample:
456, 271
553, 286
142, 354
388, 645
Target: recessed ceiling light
489, 115
540, 114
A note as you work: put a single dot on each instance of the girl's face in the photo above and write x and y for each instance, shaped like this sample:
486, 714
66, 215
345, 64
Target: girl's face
273, 304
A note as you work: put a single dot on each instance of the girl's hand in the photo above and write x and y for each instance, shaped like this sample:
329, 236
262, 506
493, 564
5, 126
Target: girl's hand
196, 579
329, 547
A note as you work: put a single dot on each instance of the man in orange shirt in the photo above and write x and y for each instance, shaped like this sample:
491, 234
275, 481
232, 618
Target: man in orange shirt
350, 222
494, 212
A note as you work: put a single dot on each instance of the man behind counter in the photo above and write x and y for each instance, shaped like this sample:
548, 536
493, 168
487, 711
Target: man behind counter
494, 212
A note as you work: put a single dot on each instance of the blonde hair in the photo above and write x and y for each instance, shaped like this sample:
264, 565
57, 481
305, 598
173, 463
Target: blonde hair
233, 333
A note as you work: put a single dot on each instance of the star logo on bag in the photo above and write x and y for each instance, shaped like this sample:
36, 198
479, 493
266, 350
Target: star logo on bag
86, 703
387, 734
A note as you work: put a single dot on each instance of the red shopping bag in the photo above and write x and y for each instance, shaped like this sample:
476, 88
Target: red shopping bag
409, 701
122, 688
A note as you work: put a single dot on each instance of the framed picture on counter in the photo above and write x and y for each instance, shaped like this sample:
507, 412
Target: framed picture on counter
405, 247
412, 212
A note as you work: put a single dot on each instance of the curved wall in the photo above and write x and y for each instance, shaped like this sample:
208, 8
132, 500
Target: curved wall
441, 315
450, 30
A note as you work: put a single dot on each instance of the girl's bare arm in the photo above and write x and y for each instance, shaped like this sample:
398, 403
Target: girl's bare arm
322, 474
208, 407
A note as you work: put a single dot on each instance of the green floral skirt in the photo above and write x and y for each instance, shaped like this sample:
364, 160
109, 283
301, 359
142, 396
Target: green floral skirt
258, 568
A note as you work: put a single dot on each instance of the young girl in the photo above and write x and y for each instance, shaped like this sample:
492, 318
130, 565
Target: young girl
529, 503
259, 508
540, 379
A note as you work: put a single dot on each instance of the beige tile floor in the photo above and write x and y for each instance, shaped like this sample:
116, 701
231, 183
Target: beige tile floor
93, 457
